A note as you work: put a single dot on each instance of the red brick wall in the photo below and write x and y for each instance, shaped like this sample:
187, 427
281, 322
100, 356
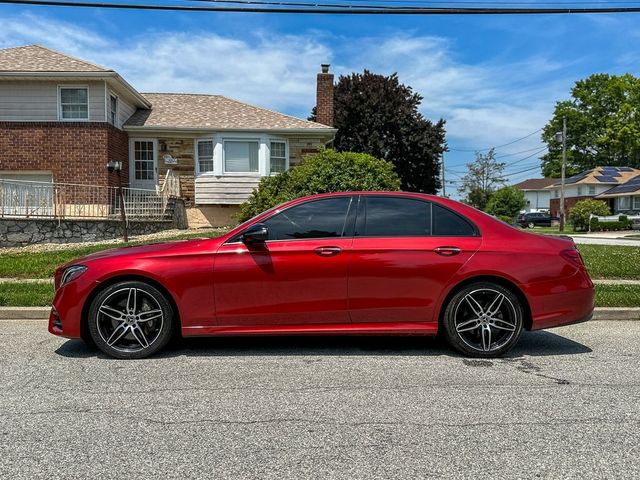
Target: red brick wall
554, 205
118, 151
324, 99
76, 152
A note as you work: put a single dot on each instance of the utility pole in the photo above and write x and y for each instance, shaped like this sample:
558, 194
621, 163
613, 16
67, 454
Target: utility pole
564, 164
444, 181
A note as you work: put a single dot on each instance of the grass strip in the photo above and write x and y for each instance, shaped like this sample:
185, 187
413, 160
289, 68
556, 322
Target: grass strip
38, 295
611, 261
26, 294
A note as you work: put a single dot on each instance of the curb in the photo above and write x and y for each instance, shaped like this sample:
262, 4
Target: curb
42, 313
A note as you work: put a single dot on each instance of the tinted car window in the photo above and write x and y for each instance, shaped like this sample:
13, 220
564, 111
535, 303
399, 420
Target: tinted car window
448, 223
395, 217
317, 219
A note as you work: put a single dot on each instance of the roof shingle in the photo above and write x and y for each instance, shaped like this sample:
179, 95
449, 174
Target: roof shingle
535, 183
212, 112
36, 58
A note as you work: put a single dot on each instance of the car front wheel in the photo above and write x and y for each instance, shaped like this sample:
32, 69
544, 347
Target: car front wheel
130, 320
531, 225
483, 320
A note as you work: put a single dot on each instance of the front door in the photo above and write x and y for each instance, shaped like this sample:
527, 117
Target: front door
143, 164
297, 277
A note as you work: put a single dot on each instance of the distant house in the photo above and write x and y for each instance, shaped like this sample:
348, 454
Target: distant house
62, 119
536, 192
592, 183
624, 198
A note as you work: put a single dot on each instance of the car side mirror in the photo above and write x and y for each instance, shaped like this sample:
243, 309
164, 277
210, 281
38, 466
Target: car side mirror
256, 233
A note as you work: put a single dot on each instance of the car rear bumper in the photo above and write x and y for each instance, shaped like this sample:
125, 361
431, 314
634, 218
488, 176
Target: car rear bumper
556, 303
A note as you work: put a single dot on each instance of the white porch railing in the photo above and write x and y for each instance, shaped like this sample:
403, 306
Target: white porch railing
67, 200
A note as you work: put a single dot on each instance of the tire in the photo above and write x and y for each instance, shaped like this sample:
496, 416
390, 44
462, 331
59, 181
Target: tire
130, 320
531, 225
483, 320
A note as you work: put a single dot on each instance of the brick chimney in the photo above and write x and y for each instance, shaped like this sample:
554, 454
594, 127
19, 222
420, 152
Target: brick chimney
324, 97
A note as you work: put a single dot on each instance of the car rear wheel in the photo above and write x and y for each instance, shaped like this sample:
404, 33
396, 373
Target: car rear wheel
483, 320
130, 320
531, 225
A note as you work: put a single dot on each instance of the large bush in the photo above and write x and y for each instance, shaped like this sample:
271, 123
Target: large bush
506, 202
582, 210
327, 171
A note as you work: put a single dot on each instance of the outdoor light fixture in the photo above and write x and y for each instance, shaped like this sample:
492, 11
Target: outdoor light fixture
113, 166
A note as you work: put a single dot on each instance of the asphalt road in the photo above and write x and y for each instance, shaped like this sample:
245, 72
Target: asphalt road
565, 404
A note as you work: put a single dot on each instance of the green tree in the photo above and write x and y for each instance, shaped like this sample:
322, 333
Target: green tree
506, 202
582, 211
603, 125
327, 171
378, 115
484, 176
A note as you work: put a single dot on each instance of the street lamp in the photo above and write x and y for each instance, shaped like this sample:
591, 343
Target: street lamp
562, 137
113, 166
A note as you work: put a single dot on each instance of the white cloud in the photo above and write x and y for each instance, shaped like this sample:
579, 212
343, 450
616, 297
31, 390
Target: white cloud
484, 103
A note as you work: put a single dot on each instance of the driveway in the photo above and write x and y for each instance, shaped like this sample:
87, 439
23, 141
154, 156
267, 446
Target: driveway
565, 404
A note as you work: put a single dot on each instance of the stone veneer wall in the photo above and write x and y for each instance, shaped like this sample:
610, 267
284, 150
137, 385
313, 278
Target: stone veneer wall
19, 232
181, 149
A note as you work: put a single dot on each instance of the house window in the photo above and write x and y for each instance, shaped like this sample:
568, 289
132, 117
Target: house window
278, 159
113, 110
205, 156
241, 156
143, 160
592, 189
624, 203
579, 190
636, 203
556, 193
74, 103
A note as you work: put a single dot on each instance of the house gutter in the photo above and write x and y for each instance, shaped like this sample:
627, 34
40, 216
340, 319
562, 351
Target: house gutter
203, 131
90, 75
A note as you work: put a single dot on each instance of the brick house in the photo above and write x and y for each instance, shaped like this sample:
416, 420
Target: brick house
592, 183
62, 119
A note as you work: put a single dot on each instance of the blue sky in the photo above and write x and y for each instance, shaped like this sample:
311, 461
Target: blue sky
494, 79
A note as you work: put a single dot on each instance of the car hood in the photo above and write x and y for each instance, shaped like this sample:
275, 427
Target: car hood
152, 250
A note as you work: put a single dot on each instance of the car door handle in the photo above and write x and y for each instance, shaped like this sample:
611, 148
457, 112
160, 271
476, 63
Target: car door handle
447, 251
327, 251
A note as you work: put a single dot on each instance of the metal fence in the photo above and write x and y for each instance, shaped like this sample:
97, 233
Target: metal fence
67, 200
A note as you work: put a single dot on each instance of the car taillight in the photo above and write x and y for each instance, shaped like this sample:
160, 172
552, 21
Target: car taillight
573, 256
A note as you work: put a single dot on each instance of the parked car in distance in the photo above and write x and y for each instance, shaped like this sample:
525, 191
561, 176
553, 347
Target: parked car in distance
530, 220
364, 263
635, 224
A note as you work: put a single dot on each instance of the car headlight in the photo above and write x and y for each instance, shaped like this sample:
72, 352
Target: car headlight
71, 273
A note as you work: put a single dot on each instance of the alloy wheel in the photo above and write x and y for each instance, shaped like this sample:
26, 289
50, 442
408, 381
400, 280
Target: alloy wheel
486, 320
130, 320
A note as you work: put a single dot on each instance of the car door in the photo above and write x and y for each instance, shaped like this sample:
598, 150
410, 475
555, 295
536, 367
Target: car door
297, 277
404, 252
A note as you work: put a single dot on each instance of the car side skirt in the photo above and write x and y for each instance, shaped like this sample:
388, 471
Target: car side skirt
394, 328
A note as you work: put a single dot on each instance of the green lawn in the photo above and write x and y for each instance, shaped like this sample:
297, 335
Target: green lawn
38, 294
43, 264
607, 261
553, 231
603, 261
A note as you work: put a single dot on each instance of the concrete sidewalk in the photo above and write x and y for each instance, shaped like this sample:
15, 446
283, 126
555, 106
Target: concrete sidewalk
42, 313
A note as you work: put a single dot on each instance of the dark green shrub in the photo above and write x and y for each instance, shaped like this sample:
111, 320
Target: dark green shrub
595, 224
327, 171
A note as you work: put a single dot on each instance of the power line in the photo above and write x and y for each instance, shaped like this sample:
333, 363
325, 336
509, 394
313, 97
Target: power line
333, 10
489, 148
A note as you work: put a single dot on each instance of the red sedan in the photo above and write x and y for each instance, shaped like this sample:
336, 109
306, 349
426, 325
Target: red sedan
359, 263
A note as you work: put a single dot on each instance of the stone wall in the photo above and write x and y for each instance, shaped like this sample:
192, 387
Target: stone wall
19, 232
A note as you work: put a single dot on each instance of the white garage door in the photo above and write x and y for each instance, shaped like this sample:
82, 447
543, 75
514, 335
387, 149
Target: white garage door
26, 194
